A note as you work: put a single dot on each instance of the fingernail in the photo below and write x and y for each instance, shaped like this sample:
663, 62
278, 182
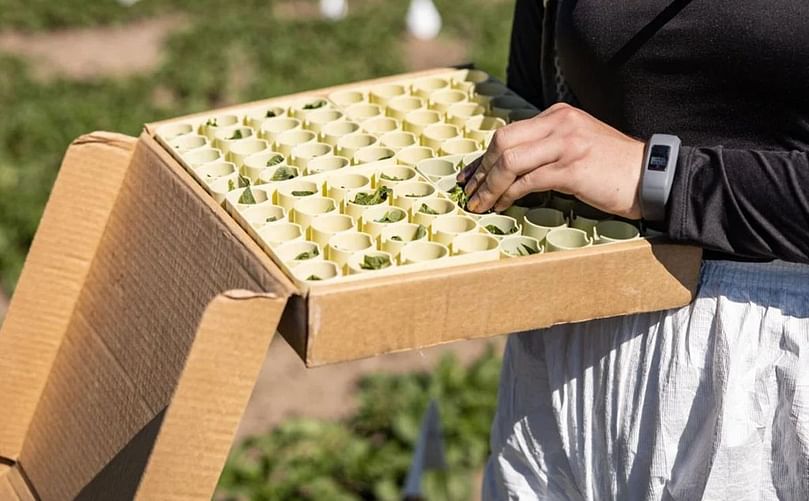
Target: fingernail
473, 203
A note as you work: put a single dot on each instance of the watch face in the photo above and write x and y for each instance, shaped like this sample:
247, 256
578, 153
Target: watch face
659, 158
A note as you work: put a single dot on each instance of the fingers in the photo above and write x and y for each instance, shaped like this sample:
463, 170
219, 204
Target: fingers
467, 171
513, 164
506, 138
544, 179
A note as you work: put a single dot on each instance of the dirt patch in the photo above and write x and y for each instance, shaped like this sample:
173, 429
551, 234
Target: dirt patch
86, 53
285, 388
296, 9
425, 54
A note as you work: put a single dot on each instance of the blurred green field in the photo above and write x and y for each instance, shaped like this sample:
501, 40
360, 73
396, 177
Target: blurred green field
271, 56
361, 457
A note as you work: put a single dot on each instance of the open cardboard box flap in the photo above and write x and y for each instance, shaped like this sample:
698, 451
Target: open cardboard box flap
112, 319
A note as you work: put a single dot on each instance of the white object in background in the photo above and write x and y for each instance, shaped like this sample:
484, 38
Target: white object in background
128, 3
334, 9
423, 19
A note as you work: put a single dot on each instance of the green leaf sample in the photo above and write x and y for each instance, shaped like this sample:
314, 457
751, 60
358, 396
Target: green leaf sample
237, 134
529, 250
374, 262
313, 277
458, 196
275, 160
396, 237
270, 114
231, 185
302, 193
272, 219
315, 104
375, 198
421, 231
495, 230
426, 209
211, 122
390, 178
391, 216
247, 197
523, 250
307, 255
283, 173
243, 181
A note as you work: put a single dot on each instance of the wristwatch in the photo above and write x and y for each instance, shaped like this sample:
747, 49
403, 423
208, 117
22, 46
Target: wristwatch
659, 164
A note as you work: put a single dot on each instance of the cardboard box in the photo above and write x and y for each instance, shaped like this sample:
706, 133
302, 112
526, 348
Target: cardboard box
143, 314
345, 321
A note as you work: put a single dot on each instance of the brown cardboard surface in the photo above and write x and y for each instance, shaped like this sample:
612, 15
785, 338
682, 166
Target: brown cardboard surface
215, 386
13, 486
132, 319
54, 274
343, 321
330, 323
429, 308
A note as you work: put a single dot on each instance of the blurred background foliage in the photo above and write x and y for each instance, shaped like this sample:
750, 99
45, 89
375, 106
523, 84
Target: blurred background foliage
221, 53
367, 455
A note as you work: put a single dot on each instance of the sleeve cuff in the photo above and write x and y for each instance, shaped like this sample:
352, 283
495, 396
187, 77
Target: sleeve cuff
677, 207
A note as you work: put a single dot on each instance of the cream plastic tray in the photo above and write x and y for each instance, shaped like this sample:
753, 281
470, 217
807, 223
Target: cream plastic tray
410, 136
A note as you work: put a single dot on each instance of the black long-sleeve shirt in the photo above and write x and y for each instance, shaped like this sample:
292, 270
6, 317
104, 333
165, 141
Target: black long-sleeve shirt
729, 77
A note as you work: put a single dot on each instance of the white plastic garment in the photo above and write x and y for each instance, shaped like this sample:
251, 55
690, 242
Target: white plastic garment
710, 401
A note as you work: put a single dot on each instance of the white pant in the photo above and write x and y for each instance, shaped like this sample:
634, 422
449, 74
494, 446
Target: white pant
709, 401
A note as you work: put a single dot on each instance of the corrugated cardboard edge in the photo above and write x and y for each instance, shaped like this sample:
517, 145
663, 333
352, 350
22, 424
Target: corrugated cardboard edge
54, 274
211, 396
13, 486
429, 308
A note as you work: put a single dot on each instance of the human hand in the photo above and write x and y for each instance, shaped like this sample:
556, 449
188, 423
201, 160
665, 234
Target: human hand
562, 149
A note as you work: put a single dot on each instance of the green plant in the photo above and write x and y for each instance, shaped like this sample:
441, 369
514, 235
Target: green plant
374, 262
374, 198
458, 195
247, 196
496, 230
302, 193
275, 160
282, 173
426, 209
313, 278
523, 250
315, 104
307, 255
366, 456
390, 178
391, 216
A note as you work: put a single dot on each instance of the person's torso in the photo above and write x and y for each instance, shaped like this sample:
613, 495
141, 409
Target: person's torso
720, 72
